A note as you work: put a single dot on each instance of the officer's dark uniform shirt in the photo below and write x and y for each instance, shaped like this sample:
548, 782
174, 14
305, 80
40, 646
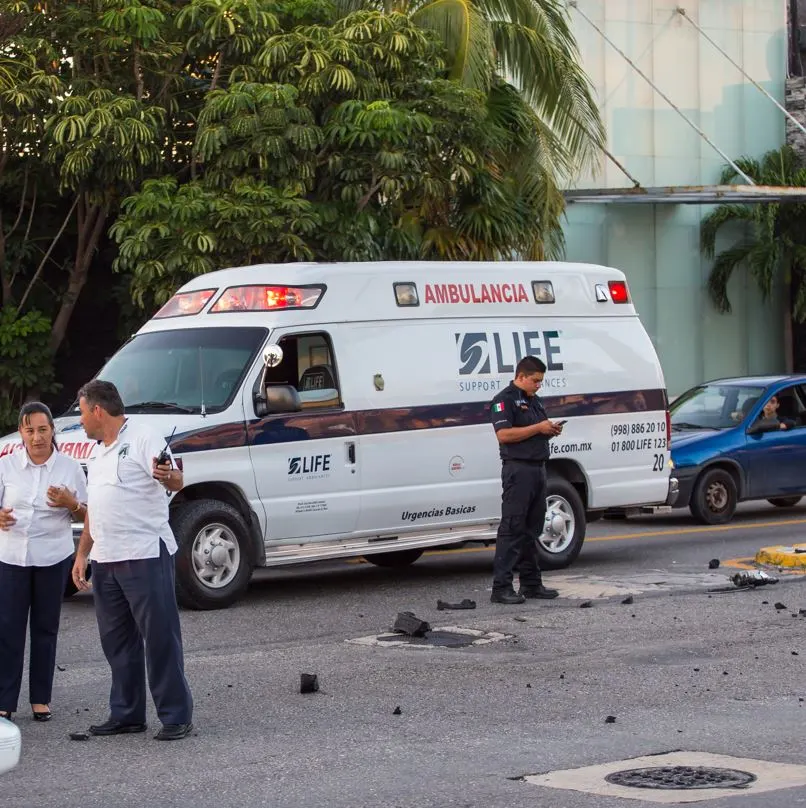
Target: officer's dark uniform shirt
512, 407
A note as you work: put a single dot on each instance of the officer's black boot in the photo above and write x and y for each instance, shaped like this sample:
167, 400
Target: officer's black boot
509, 597
539, 592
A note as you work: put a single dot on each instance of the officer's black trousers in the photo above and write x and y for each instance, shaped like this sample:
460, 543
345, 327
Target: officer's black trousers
523, 511
138, 619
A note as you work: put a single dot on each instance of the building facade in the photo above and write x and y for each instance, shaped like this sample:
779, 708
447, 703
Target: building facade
656, 241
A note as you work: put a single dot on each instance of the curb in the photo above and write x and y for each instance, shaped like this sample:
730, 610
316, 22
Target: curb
791, 556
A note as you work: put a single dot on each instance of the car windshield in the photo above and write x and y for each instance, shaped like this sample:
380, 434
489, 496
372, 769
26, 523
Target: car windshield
714, 406
186, 370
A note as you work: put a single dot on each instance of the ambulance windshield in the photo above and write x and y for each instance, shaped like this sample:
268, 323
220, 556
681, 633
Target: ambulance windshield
187, 370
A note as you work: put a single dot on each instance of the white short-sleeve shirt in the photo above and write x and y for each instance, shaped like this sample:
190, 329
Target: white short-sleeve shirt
127, 507
42, 535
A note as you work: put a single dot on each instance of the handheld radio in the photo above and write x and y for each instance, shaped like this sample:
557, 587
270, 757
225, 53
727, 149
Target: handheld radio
164, 457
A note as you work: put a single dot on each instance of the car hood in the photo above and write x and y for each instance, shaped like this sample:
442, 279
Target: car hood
688, 437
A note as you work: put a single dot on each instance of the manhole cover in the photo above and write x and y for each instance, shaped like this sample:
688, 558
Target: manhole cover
446, 639
681, 777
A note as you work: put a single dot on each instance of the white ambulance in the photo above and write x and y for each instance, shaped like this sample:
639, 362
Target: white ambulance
325, 411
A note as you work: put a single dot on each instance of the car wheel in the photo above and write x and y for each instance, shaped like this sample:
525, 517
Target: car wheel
784, 502
714, 499
564, 528
213, 564
395, 560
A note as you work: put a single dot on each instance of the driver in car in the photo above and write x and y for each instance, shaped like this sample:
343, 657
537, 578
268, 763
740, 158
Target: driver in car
769, 418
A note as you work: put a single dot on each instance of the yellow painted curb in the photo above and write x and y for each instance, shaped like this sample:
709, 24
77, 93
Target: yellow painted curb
783, 556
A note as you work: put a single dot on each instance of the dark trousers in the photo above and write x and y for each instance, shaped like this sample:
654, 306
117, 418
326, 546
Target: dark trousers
138, 620
34, 592
523, 511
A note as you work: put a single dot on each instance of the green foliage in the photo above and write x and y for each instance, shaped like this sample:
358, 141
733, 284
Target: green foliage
25, 361
772, 236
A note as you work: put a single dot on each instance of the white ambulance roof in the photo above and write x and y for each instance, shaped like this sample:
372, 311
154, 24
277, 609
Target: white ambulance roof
365, 291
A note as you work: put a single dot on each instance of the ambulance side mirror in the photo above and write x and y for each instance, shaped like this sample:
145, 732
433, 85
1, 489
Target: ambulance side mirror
277, 399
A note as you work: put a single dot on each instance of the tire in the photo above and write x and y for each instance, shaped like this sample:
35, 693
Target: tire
714, 499
784, 502
204, 582
394, 560
565, 516
70, 587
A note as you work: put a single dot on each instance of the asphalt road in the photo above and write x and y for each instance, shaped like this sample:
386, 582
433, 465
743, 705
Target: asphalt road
679, 669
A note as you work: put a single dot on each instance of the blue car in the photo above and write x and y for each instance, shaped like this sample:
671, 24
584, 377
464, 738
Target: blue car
739, 439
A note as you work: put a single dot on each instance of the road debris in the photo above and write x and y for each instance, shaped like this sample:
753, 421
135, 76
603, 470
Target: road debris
397, 711
628, 600
520, 619
713, 564
611, 719
463, 604
79, 736
752, 578
586, 604
780, 606
409, 623
60, 668
308, 683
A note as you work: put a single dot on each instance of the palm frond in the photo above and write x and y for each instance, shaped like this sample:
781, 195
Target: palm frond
467, 38
714, 221
721, 272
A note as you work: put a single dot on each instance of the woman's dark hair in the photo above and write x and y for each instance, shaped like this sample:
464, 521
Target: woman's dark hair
33, 408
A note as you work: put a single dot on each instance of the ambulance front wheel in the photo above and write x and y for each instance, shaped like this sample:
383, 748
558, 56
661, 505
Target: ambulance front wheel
213, 566
564, 527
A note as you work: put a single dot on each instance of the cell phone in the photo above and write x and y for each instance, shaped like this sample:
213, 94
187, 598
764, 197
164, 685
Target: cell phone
561, 423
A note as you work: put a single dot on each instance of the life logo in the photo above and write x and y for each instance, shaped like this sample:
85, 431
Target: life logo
498, 352
308, 466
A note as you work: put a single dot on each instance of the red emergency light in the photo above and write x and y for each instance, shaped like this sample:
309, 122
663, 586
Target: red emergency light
184, 304
619, 293
267, 298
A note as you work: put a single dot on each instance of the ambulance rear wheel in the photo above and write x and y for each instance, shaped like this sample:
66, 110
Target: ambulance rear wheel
213, 566
395, 560
564, 528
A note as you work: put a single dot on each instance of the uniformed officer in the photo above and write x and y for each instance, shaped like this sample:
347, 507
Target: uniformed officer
523, 430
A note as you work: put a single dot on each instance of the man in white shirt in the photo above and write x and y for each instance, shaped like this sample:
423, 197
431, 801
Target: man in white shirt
133, 573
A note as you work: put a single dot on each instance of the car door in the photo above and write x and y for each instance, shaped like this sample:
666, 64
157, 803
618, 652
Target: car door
305, 465
776, 459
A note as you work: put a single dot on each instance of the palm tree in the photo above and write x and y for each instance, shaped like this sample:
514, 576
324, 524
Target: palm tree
493, 45
773, 238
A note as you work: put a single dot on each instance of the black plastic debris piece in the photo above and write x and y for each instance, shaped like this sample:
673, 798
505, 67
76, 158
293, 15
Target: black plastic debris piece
795, 653
463, 604
696, 670
780, 606
724, 673
765, 603
308, 683
528, 686
713, 564
520, 619
60, 668
562, 676
752, 578
628, 600
397, 711
409, 623
79, 736
586, 604
611, 719
802, 612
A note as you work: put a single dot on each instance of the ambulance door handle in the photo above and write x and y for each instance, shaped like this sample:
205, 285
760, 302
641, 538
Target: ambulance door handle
351, 453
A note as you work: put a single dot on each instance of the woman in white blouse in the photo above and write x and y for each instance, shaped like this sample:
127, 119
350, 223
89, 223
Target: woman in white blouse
41, 493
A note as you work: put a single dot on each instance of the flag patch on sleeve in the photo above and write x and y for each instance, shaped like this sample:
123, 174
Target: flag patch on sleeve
498, 406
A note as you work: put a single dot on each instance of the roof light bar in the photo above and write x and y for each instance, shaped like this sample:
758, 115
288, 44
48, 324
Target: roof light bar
185, 304
265, 297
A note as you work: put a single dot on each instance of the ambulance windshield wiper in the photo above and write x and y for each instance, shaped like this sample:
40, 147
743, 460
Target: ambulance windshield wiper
159, 405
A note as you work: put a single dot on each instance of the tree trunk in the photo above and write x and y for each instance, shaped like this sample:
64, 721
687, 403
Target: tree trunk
91, 221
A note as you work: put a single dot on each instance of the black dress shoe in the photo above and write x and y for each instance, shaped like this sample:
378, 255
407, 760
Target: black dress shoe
113, 727
510, 598
174, 732
46, 716
540, 592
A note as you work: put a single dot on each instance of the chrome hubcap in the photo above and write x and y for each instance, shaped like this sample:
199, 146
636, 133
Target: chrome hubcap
216, 555
560, 525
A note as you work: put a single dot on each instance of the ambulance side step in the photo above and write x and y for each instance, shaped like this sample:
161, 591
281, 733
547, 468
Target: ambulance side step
351, 547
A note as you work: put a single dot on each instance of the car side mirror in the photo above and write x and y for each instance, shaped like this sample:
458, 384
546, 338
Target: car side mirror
277, 398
